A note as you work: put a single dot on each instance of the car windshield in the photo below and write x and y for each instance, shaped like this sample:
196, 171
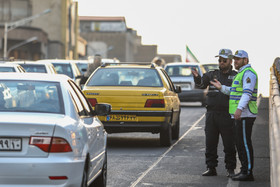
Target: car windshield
125, 77
30, 96
36, 68
7, 69
180, 71
64, 69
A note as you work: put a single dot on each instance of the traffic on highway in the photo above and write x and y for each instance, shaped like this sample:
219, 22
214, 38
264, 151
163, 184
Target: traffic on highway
109, 129
84, 103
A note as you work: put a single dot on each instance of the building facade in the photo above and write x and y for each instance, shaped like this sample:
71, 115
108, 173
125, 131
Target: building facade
111, 38
56, 31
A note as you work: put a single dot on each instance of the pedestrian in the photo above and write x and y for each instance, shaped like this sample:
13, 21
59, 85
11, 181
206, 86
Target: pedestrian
218, 121
159, 61
243, 109
97, 61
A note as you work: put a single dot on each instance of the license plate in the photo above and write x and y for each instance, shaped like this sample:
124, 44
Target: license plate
10, 144
186, 87
122, 118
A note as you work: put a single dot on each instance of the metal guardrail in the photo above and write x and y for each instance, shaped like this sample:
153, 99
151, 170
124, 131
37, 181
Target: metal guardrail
274, 123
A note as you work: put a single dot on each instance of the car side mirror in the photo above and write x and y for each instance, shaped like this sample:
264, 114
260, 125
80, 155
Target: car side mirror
178, 89
102, 109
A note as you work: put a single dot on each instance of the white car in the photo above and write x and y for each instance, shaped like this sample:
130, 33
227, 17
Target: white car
36, 67
110, 61
82, 65
50, 135
10, 67
66, 67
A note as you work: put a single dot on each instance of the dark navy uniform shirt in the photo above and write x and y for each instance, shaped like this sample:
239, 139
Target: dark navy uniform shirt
216, 101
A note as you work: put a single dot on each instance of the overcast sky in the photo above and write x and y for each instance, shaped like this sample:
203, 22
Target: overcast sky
204, 25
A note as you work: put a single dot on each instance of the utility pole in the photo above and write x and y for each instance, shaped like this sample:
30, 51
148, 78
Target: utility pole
12, 25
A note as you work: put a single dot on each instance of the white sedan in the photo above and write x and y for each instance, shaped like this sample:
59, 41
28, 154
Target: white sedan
49, 133
11, 67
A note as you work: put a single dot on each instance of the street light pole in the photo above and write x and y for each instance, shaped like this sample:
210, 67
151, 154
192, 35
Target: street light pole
12, 25
5, 39
34, 38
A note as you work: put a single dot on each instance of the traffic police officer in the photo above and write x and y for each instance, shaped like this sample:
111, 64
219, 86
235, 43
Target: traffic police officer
218, 120
243, 108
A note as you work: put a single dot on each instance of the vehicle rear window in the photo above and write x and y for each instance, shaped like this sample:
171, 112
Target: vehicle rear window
180, 71
126, 77
7, 69
30, 96
210, 67
82, 66
36, 68
64, 69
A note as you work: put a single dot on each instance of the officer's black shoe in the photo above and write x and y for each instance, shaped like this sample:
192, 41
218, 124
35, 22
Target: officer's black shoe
230, 173
243, 177
236, 174
210, 172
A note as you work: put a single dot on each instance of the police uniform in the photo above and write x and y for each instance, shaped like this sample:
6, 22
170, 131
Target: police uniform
243, 96
218, 120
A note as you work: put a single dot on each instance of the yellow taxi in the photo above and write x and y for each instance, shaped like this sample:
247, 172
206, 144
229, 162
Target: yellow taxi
143, 99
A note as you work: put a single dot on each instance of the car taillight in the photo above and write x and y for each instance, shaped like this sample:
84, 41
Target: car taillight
92, 101
58, 177
51, 144
60, 145
156, 103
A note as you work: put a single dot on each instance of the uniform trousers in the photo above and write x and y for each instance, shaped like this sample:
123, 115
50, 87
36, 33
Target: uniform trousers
219, 123
244, 145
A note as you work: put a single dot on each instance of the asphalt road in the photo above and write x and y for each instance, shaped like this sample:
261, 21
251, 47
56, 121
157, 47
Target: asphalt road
137, 159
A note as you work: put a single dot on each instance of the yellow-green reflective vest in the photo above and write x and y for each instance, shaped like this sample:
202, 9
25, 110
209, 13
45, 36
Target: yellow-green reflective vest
236, 92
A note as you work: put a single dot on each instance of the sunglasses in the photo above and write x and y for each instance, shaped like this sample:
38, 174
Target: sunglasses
224, 60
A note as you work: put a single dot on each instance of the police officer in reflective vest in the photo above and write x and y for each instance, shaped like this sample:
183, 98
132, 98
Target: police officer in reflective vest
218, 120
243, 108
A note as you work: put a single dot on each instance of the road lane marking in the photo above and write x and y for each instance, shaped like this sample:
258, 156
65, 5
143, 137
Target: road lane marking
166, 152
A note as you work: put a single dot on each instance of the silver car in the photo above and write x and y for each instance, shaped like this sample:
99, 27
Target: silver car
50, 135
180, 74
211, 66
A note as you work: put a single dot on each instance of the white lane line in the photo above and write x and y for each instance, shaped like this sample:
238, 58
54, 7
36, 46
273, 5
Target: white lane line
164, 154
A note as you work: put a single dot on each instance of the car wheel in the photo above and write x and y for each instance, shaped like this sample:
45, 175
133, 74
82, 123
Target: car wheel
166, 135
176, 130
101, 180
85, 177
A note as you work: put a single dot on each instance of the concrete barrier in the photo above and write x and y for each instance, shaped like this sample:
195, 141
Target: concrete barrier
274, 123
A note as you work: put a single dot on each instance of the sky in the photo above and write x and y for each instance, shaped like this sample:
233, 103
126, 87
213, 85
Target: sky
204, 25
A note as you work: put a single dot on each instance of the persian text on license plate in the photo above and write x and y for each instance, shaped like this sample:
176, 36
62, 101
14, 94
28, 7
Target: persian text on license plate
10, 144
122, 118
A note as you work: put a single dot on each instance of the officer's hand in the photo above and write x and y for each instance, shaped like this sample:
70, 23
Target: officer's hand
237, 114
217, 84
194, 72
